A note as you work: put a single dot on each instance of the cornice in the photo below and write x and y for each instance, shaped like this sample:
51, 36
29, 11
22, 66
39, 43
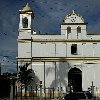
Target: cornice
24, 29
59, 40
59, 59
65, 40
74, 23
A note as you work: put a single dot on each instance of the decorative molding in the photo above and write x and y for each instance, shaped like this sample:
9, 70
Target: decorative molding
65, 40
59, 59
74, 23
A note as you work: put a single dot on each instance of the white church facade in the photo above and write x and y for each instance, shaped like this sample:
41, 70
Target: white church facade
71, 58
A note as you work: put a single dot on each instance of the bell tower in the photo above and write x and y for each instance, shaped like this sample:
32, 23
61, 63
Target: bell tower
74, 26
25, 23
25, 33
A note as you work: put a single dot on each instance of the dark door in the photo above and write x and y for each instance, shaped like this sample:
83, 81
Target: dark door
75, 79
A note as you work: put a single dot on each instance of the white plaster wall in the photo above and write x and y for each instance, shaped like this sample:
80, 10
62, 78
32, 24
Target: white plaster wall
88, 50
79, 49
38, 68
25, 34
84, 50
64, 32
74, 31
43, 49
90, 72
48, 37
61, 78
62, 75
97, 75
91, 50
24, 49
93, 37
97, 50
20, 23
61, 49
36, 49
87, 76
49, 50
50, 74
68, 49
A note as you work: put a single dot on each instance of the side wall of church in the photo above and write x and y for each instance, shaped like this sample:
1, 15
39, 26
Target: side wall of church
90, 73
55, 74
60, 49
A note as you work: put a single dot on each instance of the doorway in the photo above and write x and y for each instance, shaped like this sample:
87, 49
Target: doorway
75, 79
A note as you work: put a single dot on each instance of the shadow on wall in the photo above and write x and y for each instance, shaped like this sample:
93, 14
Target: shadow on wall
35, 81
61, 78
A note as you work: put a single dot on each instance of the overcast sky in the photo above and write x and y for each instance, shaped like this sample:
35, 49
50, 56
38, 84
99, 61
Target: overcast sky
48, 16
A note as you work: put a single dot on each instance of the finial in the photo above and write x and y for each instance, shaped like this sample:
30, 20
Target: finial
27, 8
27, 4
73, 11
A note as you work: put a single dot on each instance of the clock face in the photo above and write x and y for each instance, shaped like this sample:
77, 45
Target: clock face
73, 19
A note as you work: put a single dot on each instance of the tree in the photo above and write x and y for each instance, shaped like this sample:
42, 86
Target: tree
25, 76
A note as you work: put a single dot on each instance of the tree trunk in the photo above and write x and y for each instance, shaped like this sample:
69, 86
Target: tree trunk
26, 92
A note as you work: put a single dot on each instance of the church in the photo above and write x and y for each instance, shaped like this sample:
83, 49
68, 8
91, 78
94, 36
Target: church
68, 59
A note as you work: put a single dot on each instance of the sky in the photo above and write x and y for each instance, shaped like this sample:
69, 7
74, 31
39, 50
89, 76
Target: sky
48, 16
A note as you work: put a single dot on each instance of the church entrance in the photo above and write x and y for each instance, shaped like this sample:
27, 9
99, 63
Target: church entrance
75, 79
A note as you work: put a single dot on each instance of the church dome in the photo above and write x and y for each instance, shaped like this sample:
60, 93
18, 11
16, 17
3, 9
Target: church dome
73, 18
27, 8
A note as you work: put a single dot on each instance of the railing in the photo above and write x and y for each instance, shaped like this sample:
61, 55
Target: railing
97, 93
35, 94
39, 93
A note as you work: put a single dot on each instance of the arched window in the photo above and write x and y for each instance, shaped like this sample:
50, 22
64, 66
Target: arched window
68, 30
78, 29
25, 22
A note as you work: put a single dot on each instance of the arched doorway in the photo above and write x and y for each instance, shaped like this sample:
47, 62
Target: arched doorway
75, 79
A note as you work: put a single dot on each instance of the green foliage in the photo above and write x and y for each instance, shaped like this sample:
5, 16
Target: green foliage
24, 75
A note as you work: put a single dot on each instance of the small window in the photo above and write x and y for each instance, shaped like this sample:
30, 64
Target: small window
74, 49
25, 22
68, 30
78, 29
